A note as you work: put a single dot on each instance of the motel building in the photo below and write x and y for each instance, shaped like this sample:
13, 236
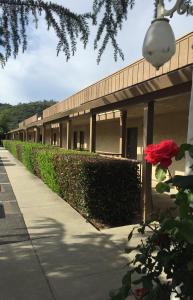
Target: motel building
122, 113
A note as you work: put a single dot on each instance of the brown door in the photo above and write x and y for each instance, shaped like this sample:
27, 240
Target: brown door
81, 140
75, 140
54, 139
132, 137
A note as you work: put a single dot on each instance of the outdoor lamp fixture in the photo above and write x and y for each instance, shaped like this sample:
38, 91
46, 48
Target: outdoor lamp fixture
159, 43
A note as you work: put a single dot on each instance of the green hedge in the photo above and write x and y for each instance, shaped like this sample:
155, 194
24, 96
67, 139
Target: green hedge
100, 188
23, 151
11, 146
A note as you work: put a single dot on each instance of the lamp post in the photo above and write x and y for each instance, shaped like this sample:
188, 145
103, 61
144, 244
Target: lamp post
159, 46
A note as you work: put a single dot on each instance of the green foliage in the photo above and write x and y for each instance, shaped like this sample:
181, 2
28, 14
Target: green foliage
23, 151
11, 146
183, 182
27, 154
107, 15
160, 173
44, 167
103, 189
115, 12
10, 115
16, 16
164, 259
183, 149
162, 187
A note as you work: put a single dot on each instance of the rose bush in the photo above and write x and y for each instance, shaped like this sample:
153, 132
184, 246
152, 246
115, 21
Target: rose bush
163, 264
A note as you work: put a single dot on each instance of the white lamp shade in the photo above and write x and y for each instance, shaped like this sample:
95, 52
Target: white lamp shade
159, 44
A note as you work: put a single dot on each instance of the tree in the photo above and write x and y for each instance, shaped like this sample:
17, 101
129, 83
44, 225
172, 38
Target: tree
10, 115
16, 16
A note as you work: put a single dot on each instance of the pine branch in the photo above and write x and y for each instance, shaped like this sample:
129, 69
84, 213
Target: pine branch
15, 16
14, 20
114, 14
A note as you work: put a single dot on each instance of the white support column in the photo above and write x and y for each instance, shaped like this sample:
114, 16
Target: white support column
43, 134
123, 133
189, 160
60, 134
68, 134
93, 133
148, 126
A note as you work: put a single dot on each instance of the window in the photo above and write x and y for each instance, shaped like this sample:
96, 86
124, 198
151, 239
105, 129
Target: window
81, 140
132, 137
75, 140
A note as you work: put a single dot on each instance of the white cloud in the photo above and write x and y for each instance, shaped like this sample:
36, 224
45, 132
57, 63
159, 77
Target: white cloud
39, 74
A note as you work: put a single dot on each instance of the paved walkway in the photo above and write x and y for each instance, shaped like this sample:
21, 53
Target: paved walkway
59, 256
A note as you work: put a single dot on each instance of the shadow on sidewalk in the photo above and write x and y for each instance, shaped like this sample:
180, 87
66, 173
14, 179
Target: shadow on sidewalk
80, 266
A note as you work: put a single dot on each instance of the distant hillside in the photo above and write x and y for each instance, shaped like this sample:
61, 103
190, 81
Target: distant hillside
11, 115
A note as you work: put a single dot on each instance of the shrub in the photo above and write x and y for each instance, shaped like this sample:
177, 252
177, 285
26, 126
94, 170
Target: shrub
44, 167
11, 146
103, 189
27, 154
100, 188
23, 151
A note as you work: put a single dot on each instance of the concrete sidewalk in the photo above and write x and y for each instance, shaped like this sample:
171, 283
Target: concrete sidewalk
66, 257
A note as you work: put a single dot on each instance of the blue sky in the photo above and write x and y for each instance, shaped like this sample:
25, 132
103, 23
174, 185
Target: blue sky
39, 74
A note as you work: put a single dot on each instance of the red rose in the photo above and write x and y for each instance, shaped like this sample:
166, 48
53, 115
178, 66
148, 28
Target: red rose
161, 153
139, 293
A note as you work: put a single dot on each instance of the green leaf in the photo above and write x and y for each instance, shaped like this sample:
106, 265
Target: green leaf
147, 283
152, 295
190, 266
183, 149
184, 208
180, 155
162, 187
184, 182
191, 151
160, 173
127, 279
131, 234
128, 250
186, 230
190, 198
169, 224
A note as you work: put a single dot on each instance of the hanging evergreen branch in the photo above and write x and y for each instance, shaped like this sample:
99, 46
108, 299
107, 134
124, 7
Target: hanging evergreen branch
15, 17
114, 14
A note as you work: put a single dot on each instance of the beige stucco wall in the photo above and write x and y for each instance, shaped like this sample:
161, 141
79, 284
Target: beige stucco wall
107, 136
172, 126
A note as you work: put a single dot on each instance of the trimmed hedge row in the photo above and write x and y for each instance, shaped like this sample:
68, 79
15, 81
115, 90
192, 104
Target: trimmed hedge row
104, 189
